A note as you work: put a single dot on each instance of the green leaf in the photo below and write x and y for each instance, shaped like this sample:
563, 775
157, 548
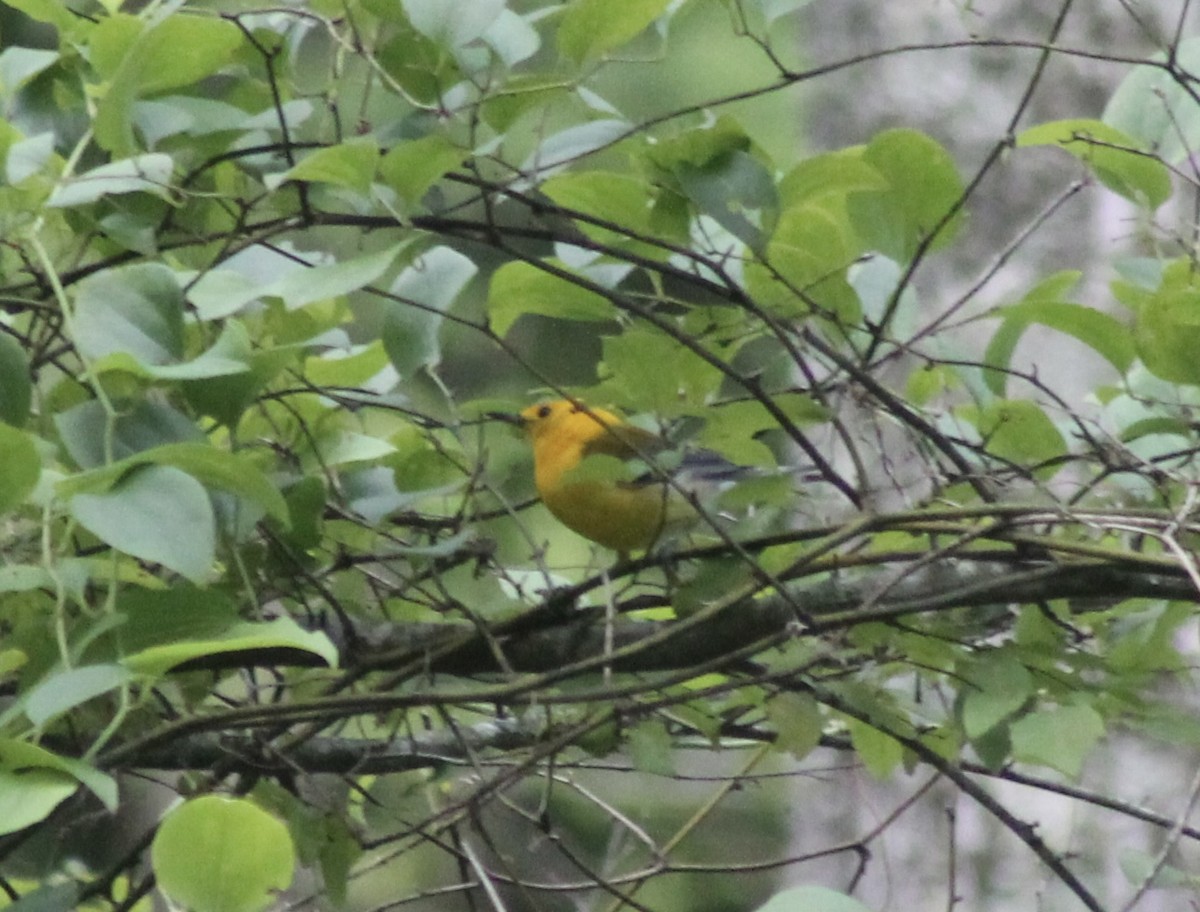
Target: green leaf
210, 465
176, 51
650, 748
1059, 738
591, 28
806, 263
341, 447
1107, 336
521, 288
224, 398
411, 168
306, 509
57, 897
18, 65
215, 854
220, 293
1142, 867
737, 192
698, 147
350, 164
810, 898
140, 425
452, 25
653, 370
522, 93
1166, 330
419, 65
51, 11
135, 310
156, 513
923, 187
1159, 110
280, 633
21, 467
30, 795
998, 685
1018, 431
422, 293
338, 367
230, 354
797, 722
28, 157
181, 613
880, 753
608, 196
149, 173
62, 691
1117, 159
560, 149
138, 59
836, 174
19, 756
304, 286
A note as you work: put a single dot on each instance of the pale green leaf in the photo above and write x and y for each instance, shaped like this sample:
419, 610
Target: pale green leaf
810, 898
650, 748
149, 173
1118, 160
1045, 305
1018, 431
16, 756
412, 167
1059, 738
62, 691
996, 687
135, 310
797, 721
1167, 331
423, 292
304, 286
280, 633
880, 753
85, 431
218, 468
521, 288
591, 28
923, 189
18, 65
572, 143
350, 164
156, 513
216, 854
28, 796
28, 157
452, 25
1158, 108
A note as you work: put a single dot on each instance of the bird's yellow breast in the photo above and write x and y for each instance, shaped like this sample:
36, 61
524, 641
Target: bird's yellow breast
621, 518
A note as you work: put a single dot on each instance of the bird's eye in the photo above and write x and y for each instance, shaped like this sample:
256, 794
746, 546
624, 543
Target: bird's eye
544, 411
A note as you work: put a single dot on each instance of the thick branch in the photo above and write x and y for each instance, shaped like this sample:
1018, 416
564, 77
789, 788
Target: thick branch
549, 639
350, 756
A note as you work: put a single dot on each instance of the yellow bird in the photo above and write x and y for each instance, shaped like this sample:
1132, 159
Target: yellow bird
622, 515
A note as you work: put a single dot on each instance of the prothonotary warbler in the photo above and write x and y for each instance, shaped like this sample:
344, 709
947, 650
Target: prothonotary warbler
622, 515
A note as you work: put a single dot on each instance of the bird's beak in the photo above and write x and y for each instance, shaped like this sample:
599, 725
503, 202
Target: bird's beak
507, 417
